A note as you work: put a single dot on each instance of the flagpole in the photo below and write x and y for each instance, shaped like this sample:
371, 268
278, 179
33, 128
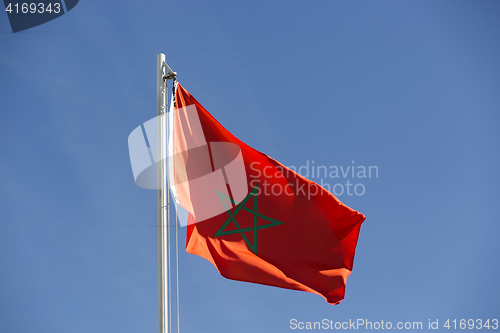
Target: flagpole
163, 209
164, 73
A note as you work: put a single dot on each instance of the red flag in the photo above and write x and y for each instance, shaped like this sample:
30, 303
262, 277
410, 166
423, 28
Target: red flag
253, 218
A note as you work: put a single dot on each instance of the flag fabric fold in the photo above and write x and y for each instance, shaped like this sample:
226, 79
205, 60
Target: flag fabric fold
252, 217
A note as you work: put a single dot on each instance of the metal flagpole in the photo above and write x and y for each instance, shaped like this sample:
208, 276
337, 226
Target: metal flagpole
163, 209
163, 74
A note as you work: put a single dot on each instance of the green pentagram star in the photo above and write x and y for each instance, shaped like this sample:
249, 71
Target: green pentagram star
232, 218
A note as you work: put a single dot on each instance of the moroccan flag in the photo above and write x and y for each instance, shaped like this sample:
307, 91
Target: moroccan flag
252, 217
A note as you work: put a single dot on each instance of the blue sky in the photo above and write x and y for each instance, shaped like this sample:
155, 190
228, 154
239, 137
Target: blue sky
411, 87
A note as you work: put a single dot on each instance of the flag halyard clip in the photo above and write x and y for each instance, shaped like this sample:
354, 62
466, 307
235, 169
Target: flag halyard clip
168, 73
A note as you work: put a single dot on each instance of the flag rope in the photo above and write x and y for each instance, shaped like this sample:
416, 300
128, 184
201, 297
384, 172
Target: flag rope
177, 265
176, 231
169, 278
